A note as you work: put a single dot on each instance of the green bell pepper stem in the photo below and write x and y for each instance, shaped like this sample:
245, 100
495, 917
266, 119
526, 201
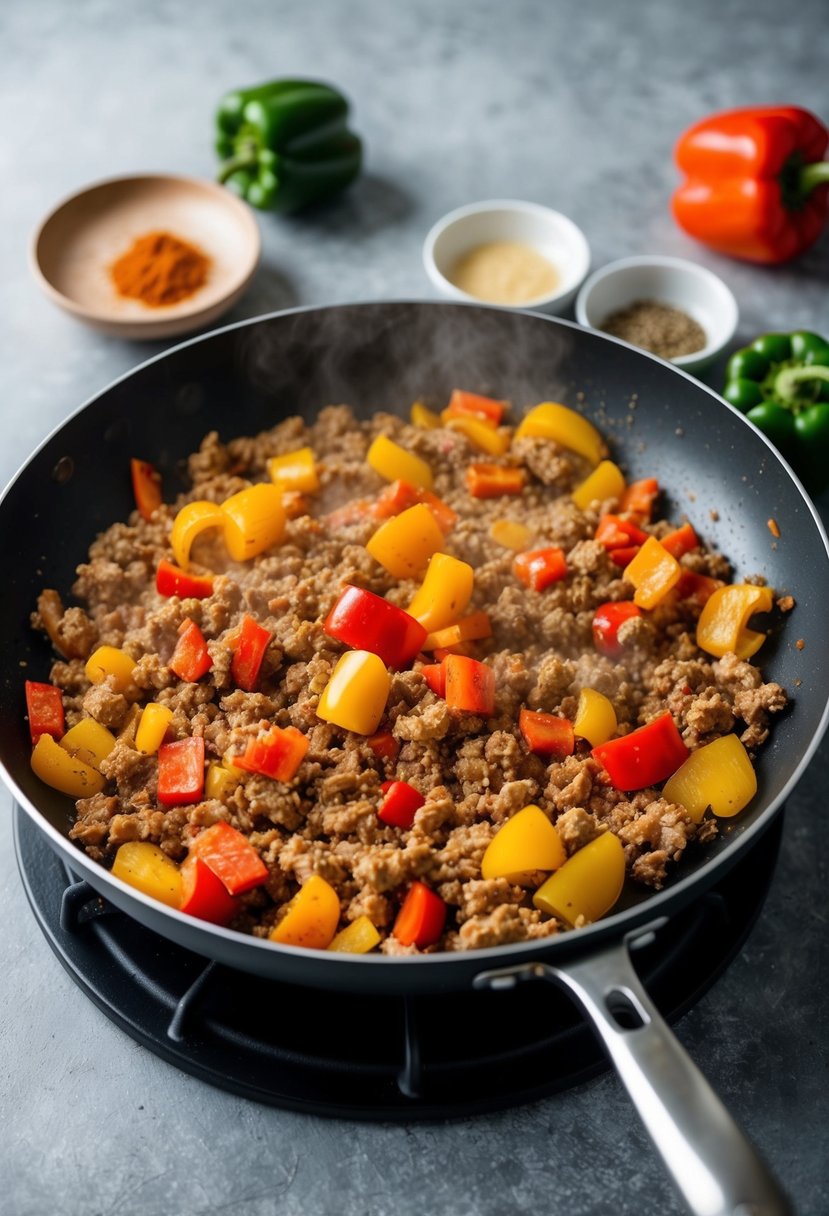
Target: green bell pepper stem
788, 378
246, 159
813, 175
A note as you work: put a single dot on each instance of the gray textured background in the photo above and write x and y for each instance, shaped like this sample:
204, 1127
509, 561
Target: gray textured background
569, 103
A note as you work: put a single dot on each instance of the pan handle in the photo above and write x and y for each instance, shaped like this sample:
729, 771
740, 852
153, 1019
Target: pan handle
716, 1169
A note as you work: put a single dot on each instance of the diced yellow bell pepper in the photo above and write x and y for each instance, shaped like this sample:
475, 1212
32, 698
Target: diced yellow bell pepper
89, 741
606, 481
722, 625
312, 917
468, 629
719, 775
510, 534
254, 519
420, 415
295, 471
355, 696
396, 464
63, 772
152, 728
404, 543
357, 938
595, 717
144, 866
526, 842
109, 661
587, 885
481, 435
444, 594
564, 426
191, 521
653, 572
220, 780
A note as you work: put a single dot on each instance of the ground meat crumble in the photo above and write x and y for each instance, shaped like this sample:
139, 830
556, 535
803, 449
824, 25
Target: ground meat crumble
473, 774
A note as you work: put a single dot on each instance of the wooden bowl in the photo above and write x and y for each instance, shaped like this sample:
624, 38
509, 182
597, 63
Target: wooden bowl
74, 247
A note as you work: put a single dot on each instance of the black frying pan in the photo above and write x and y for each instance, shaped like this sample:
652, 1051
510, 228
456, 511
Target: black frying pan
718, 470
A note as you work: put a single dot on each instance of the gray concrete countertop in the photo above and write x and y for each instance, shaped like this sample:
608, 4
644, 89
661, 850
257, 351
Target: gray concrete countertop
572, 104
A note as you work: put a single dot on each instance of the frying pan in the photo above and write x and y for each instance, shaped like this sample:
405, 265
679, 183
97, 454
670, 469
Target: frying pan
719, 471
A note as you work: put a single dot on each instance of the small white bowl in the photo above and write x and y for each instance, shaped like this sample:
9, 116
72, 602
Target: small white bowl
548, 232
684, 285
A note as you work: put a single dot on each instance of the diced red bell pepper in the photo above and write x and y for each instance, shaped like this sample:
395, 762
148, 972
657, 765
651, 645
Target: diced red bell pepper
681, 540
538, 568
400, 803
606, 622
470, 685
181, 771
146, 486
493, 480
204, 895
230, 856
697, 588
547, 734
645, 757
248, 653
172, 580
384, 745
277, 754
366, 621
435, 676
44, 706
624, 556
471, 405
401, 495
190, 660
638, 498
613, 532
421, 918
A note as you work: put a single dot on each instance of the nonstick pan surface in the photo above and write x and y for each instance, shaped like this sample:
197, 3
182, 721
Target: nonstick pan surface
717, 470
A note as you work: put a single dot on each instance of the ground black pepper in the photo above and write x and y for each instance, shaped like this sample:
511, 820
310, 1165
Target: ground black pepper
657, 327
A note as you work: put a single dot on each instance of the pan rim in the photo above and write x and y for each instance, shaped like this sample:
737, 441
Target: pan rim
652, 908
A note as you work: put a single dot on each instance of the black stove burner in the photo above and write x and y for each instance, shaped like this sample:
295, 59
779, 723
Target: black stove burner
356, 1056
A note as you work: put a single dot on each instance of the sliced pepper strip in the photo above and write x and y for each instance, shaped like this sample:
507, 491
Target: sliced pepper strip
53, 764
191, 521
295, 471
190, 660
44, 707
470, 685
312, 917
248, 653
468, 629
482, 435
204, 895
723, 623
404, 544
254, 519
493, 480
146, 486
356, 694
526, 842
487, 409
607, 620
606, 481
172, 580
718, 775
587, 885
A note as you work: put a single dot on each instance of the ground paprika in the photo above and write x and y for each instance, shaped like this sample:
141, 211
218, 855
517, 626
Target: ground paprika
160, 269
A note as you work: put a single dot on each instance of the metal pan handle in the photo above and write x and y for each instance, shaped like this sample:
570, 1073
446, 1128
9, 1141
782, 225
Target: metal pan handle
714, 1166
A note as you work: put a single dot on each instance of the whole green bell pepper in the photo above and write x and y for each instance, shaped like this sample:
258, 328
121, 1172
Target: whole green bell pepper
286, 144
781, 382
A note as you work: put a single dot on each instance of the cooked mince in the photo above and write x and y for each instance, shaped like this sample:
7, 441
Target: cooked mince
473, 773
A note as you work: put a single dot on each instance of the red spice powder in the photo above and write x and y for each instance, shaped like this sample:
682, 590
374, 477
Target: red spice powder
160, 269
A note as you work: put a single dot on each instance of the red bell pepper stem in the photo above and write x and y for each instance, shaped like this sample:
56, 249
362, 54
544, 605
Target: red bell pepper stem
400, 804
204, 895
231, 857
248, 653
44, 706
645, 757
812, 176
366, 621
181, 771
421, 919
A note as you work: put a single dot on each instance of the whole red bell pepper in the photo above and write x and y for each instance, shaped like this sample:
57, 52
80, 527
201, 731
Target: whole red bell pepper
756, 182
368, 622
